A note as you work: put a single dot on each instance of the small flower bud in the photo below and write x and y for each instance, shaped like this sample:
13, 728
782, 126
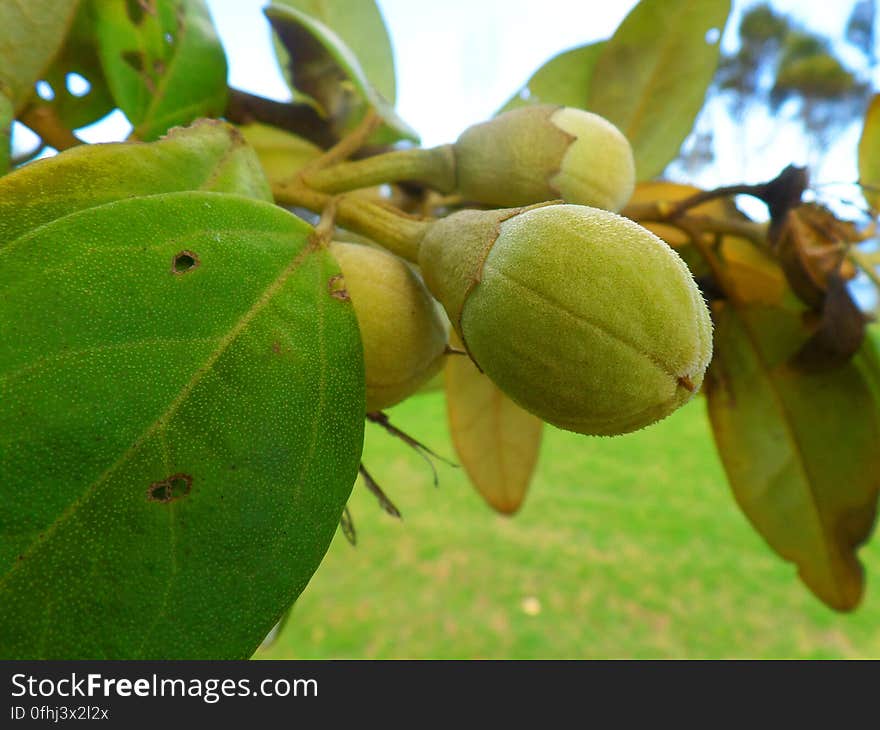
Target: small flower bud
540, 153
583, 317
403, 334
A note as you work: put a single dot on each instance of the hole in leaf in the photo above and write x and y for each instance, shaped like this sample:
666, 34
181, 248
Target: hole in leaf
77, 85
525, 93
183, 262
45, 91
170, 488
169, 39
336, 285
713, 35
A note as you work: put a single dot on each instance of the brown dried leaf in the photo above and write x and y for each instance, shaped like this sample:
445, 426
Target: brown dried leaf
839, 333
810, 243
496, 440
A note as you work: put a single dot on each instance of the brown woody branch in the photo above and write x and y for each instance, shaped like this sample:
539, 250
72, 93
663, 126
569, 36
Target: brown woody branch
660, 212
45, 122
302, 119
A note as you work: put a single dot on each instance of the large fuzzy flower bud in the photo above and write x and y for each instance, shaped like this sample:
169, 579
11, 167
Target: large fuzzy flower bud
539, 153
404, 336
583, 317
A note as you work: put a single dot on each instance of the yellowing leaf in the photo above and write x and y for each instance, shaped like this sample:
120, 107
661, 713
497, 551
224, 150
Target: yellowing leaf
496, 440
869, 154
800, 450
282, 154
653, 74
754, 275
670, 192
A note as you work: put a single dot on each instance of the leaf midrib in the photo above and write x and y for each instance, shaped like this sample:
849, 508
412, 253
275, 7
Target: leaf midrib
797, 450
636, 113
224, 343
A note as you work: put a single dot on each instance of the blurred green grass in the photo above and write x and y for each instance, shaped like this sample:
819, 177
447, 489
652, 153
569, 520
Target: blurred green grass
627, 547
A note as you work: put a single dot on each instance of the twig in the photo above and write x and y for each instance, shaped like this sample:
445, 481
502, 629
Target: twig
323, 233
382, 420
44, 121
347, 146
657, 213
385, 503
346, 524
301, 119
704, 196
392, 228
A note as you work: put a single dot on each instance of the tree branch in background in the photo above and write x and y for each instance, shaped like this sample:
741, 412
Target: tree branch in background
346, 146
43, 121
301, 119
670, 214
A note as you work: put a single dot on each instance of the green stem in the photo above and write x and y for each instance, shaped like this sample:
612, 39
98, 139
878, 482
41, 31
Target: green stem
433, 167
392, 229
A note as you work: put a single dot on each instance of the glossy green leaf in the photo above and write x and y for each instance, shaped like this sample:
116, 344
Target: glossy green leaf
327, 71
182, 420
282, 154
801, 451
651, 78
79, 55
565, 80
210, 155
163, 62
869, 154
31, 32
360, 26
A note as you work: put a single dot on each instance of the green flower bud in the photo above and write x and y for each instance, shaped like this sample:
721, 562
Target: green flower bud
539, 153
403, 334
581, 316
522, 157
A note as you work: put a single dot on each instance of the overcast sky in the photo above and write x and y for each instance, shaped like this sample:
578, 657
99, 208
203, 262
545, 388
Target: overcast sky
458, 61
